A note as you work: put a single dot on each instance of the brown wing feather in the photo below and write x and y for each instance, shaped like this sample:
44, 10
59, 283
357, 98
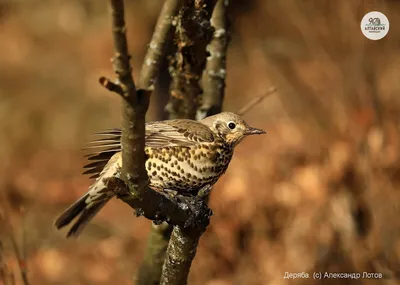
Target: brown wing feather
176, 133
158, 135
101, 150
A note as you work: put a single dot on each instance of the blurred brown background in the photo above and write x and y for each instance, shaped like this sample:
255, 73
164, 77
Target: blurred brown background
320, 192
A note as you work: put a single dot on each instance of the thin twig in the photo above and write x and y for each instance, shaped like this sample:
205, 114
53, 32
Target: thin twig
6, 274
21, 261
255, 101
158, 43
111, 86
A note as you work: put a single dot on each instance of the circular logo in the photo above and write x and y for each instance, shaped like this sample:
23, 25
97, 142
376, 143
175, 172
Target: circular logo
375, 25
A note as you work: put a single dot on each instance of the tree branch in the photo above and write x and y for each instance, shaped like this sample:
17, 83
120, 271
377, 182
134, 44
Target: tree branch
111, 86
159, 40
180, 253
215, 73
160, 207
6, 275
134, 108
150, 270
193, 34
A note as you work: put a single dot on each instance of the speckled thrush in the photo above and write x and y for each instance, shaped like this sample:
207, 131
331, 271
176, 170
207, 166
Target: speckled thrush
183, 156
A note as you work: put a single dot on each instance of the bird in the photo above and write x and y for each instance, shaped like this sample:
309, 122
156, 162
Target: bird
182, 155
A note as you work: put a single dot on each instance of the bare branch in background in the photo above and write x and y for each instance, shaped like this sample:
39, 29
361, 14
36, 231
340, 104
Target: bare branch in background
255, 101
156, 50
215, 73
6, 274
193, 34
19, 249
19, 253
150, 270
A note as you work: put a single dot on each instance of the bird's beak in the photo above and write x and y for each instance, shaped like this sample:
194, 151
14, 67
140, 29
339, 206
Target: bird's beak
254, 131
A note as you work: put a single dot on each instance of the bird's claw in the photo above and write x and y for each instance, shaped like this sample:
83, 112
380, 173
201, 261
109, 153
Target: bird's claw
200, 213
204, 192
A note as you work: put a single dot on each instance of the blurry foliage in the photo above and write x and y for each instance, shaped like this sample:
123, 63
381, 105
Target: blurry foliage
320, 192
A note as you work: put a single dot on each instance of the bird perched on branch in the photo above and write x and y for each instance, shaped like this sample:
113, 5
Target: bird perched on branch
183, 156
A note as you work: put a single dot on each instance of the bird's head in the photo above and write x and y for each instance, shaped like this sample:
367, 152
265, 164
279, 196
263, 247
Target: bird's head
230, 127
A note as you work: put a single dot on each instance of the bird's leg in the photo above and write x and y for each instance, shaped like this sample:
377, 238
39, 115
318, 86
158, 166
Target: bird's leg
172, 194
204, 192
200, 210
197, 205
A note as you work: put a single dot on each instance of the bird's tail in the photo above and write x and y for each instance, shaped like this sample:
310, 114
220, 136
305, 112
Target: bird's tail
92, 202
86, 208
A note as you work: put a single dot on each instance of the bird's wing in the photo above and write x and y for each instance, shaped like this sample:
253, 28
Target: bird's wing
101, 150
171, 133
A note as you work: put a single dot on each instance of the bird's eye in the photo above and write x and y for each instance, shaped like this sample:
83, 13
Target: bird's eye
231, 125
